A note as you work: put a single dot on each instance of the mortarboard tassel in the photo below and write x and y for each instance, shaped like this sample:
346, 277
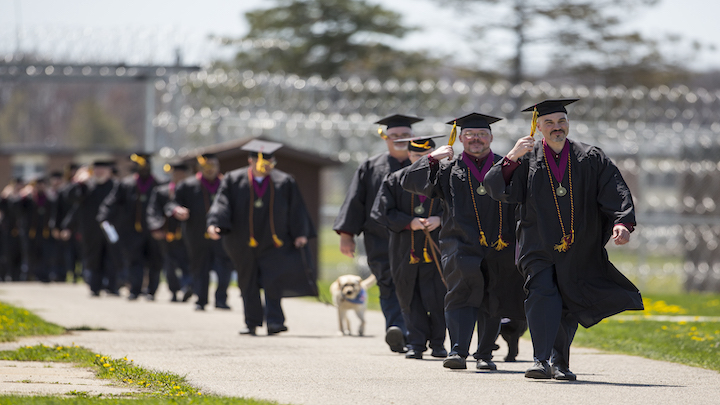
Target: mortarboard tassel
500, 244
138, 226
533, 125
32, 233
482, 239
278, 243
139, 160
413, 259
381, 133
426, 256
565, 242
46, 233
253, 243
453, 134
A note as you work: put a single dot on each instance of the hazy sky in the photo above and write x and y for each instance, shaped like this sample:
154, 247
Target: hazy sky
693, 19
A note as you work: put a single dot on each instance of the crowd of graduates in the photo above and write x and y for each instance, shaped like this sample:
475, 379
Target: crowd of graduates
455, 241
118, 232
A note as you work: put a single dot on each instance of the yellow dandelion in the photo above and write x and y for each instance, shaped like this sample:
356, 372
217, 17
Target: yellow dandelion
682, 322
112, 368
664, 327
106, 365
97, 355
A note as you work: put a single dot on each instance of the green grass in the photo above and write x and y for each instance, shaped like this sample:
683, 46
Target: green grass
17, 322
691, 343
155, 386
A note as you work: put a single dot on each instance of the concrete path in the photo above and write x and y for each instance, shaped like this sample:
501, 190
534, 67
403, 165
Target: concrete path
311, 364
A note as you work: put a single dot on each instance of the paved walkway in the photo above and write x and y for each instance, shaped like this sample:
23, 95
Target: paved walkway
310, 364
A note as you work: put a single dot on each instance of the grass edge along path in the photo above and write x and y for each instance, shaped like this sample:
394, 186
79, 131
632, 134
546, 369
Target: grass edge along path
157, 387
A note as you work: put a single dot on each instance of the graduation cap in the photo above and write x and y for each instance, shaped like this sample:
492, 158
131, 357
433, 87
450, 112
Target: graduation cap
398, 120
420, 143
551, 106
72, 166
56, 174
256, 147
103, 163
474, 120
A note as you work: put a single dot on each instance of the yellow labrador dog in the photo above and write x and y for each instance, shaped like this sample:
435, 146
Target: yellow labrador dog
349, 292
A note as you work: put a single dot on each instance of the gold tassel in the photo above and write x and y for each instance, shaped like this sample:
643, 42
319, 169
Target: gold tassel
381, 133
533, 125
278, 243
483, 241
453, 134
426, 256
565, 243
138, 227
500, 244
413, 259
178, 234
46, 233
169, 237
32, 233
253, 243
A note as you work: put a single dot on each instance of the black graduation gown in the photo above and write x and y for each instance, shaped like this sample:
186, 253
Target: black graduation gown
126, 208
35, 215
159, 219
355, 215
394, 209
283, 271
86, 200
191, 194
477, 275
591, 287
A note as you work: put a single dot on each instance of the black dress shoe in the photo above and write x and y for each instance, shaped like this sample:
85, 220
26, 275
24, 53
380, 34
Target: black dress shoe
414, 354
563, 373
174, 297
440, 353
222, 305
395, 339
540, 370
485, 365
199, 307
132, 297
187, 295
150, 297
248, 331
275, 329
455, 362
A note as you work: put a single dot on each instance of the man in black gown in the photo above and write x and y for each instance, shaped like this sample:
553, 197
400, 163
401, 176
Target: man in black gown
167, 230
35, 208
415, 270
192, 202
477, 241
261, 219
563, 186
126, 209
355, 218
100, 254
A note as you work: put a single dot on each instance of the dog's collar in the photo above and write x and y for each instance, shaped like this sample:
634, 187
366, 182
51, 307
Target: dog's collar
360, 299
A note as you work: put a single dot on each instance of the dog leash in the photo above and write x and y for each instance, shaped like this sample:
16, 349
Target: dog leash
435, 251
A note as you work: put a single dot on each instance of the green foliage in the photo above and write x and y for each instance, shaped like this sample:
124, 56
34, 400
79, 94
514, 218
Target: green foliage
581, 38
16, 322
328, 38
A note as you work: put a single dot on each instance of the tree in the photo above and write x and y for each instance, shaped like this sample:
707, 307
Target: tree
327, 38
575, 35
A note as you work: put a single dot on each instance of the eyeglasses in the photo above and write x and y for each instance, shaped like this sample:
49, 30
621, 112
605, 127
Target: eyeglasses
471, 135
399, 135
